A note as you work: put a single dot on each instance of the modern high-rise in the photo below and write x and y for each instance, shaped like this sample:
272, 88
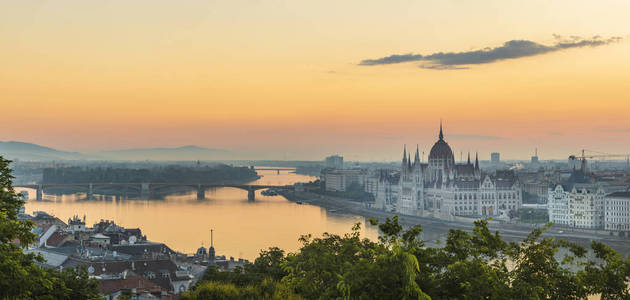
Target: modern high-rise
495, 158
334, 162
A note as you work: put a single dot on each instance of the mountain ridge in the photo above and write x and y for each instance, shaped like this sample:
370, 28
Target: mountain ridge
34, 152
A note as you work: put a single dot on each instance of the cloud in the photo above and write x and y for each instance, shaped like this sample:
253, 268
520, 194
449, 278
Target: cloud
617, 130
509, 50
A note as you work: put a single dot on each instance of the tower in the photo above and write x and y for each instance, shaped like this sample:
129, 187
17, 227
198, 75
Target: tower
211, 253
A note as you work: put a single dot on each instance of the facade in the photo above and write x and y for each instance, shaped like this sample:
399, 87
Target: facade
495, 157
579, 205
334, 162
617, 212
76, 225
538, 190
442, 188
385, 189
338, 180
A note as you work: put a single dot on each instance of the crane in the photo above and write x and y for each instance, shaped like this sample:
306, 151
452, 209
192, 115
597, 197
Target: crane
584, 156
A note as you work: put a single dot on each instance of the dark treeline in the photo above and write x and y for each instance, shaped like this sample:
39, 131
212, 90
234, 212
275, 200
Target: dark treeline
170, 174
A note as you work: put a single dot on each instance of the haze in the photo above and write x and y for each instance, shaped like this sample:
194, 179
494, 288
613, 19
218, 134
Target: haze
285, 78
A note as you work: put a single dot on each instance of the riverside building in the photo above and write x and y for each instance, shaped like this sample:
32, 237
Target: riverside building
579, 205
442, 188
617, 212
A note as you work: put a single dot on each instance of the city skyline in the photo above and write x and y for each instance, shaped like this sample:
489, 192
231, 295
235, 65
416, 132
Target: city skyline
304, 80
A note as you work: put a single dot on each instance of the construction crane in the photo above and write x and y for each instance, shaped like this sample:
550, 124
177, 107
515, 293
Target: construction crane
584, 156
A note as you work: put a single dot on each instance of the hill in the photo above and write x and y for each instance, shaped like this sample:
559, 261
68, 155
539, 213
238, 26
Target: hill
28, 151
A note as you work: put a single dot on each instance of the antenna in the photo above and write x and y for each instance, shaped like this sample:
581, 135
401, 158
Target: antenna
211, 237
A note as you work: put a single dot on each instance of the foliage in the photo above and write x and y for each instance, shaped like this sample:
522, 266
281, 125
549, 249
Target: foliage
532, 215
265, 290
469, 265
20, 276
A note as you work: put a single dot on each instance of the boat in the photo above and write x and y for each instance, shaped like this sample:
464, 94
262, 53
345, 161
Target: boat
298, 202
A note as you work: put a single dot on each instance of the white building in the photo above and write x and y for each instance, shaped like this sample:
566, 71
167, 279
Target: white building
579, 205
441, 188
617, 212
386, 189
337, 180
77, 225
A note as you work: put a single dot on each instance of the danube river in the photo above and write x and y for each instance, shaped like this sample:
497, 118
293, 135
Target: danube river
241, 228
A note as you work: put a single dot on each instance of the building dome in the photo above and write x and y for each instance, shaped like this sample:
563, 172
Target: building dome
441, 149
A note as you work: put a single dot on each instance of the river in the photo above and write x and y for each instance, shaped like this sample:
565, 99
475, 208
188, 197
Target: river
241, 227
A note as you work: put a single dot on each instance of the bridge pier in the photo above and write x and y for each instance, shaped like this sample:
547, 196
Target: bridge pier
90, 193
251, 194
201, 192
145, 192
39, 192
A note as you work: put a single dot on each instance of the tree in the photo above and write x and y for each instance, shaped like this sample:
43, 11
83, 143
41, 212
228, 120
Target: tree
20, 276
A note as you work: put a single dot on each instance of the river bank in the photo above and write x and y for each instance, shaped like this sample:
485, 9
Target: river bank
438, 229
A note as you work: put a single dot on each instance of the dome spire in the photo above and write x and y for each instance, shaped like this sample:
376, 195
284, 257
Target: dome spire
441, 136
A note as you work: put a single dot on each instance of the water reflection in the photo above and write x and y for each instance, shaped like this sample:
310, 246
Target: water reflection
241, 228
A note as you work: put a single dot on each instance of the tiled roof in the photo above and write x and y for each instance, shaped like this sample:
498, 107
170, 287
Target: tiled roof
57, 239
137, 282
620, 194
140, 267
51, 259
144, 248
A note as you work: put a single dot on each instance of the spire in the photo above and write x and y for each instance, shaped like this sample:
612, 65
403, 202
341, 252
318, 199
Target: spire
441, 136
409, 161
405, 154
476, 161
417, 158
469, 157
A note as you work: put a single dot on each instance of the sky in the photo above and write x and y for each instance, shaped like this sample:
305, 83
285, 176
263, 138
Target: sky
305, 79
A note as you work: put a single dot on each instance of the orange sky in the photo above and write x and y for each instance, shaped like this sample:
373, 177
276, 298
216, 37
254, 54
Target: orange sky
280, 78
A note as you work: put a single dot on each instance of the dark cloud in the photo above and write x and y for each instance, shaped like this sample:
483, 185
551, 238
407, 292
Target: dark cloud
509, 50
443, 67
392, 59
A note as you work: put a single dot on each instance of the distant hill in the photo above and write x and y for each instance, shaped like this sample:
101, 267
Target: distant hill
179, 153
27, 151
32, 152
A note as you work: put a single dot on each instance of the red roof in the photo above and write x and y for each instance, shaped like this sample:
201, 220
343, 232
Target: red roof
141, 284
56, 239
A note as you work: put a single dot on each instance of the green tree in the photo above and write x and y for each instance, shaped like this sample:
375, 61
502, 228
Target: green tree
20, 276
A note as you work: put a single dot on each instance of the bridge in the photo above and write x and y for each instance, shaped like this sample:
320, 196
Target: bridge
273, 169
146, 188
